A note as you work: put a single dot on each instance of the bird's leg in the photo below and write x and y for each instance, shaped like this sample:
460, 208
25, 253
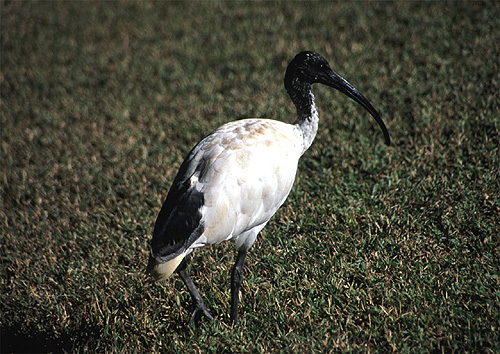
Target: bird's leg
199, 306
236, 277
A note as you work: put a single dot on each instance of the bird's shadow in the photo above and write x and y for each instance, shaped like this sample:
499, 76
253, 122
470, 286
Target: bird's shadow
19, 338
22, 338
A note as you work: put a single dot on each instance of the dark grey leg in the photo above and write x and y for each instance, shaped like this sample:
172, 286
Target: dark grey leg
199, 306
236, 277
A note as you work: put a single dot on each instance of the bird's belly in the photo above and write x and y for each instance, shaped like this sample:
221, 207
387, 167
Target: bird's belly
238, 206
243, 189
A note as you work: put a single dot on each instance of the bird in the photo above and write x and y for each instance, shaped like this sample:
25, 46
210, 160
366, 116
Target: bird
236, 178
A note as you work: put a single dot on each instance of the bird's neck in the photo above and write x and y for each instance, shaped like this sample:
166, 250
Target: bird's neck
307, 113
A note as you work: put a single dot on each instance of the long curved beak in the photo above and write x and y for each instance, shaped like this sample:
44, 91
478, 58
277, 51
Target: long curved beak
336, 81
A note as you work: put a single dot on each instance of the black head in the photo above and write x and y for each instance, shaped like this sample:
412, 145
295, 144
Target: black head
308, 68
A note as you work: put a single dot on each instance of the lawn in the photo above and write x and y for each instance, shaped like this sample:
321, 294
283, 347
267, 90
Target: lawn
377, 248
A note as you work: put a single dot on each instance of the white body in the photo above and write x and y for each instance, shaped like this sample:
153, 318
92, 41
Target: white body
245, 171
250, 169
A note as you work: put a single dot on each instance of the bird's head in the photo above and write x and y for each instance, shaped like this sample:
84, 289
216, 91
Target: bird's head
308, 68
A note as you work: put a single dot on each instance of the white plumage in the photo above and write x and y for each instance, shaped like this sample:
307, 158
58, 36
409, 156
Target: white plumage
234, 180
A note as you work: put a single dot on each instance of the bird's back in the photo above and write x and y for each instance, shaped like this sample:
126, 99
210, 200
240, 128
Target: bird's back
229, 186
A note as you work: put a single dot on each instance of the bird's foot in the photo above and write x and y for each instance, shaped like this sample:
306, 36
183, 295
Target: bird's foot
199, 311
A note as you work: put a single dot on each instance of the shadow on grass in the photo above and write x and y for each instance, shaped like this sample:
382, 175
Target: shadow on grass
22, 339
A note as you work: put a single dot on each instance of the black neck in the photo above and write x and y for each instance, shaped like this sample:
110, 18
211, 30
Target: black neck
307, 114
301, 95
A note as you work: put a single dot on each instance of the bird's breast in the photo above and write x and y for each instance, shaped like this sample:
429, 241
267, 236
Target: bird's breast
245, 172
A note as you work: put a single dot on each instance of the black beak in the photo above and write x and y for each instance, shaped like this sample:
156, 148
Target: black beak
336, 81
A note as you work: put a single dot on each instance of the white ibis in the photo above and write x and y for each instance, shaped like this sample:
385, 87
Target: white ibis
236, 178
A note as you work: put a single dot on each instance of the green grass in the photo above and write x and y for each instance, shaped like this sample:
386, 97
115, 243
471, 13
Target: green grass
377, 249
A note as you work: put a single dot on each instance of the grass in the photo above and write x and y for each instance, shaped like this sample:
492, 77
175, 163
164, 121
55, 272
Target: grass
376, 249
